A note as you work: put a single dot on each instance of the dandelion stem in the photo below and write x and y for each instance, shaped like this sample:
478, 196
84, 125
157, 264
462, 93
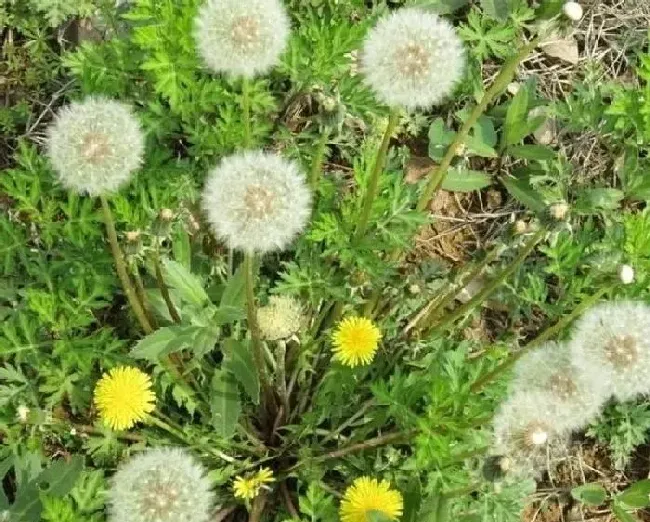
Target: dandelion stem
246, 111
317, 160
546, 334
164, 290
491, 286
502, 80
120, 267
373, 181
254, 328
142, 296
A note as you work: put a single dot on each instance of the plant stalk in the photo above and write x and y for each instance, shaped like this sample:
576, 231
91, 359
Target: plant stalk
491, 286
317, 160
164, 289
502, 80
120, 267
246, 111
373, 180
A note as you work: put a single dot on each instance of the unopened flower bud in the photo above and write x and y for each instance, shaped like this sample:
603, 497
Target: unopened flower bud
166, 214
520, 226
22, 412
132, 236
573, 11
626, 274
414, 289
560, 210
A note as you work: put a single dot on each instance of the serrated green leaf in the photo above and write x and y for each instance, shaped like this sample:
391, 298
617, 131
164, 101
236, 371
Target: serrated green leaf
522, 191
156, 344
239, 361
531, 152
204, 341
189, 287
227, 315
497, 9
484, 130
234, 294
516, 124
592, 494
439, 139
61, 476
27, 505
462, 180
599, 198
637, 495
622, 515
224, 405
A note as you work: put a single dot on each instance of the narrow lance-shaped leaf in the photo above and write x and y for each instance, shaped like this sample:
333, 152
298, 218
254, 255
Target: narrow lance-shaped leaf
238, 360
225, 404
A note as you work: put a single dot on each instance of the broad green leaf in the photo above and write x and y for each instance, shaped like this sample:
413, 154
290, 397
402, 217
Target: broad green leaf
531, 152
592, 494
182, 248
204, 341
516, 124
522, 191
462, 180
238, 360
27, 505
225, 405
622, 515
484, 130
476, 147
412, 500
187, 284
599, 198
498, 9
235, 292
154, 345
61, 476
439, 139
637, 495
228, 314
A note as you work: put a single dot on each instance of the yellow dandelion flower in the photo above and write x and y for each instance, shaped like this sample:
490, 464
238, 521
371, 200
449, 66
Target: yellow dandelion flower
355, 341
123, 397
366, 495
249, 487
245, 488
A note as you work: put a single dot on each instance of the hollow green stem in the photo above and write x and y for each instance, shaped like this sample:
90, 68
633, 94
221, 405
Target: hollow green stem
164, 290
317, 160
120, 267
246, 111
546, 334
491, 286
253, 326
373, 181
502, 80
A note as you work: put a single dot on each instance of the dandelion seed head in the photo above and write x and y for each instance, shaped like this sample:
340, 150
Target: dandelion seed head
610, 348
95, 145
160, 485
412, 59
241, 38
367, 495
549, 368
280, 319
257, 201
526, 425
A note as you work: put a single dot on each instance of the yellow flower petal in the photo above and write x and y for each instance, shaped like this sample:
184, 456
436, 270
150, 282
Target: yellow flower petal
355, 341
366, 495
123, 397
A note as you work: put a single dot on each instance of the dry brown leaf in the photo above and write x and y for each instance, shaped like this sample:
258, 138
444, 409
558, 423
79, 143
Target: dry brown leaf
565, 49
416, 168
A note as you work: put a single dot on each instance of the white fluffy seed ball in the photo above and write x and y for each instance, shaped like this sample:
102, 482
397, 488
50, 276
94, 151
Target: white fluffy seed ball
573, 11
257, 201
160, 485
610, 347
95, 145
626, 274
241, 37
412, 59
